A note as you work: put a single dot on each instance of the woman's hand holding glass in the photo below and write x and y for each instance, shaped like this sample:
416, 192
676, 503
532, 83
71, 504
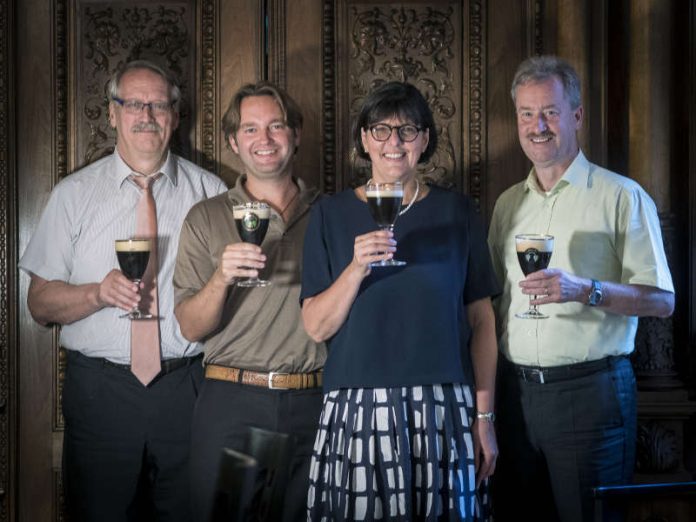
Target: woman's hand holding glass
372, 247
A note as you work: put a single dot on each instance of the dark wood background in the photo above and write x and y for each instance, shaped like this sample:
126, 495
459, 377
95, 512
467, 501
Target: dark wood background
636, 59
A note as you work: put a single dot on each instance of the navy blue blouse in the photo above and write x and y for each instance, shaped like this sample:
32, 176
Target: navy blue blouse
408, 325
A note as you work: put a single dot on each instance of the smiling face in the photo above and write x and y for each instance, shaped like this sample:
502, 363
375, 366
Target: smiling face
547, 125
142, 137
394, 159
264, 142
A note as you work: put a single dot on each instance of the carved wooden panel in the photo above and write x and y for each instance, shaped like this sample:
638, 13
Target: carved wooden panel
8, 288
654, 358
111, 34
421, 43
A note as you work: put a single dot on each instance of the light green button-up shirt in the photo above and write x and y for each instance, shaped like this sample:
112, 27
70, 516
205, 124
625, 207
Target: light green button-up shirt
605, 227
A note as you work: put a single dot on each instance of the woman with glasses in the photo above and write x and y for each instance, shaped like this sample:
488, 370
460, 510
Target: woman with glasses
406, 431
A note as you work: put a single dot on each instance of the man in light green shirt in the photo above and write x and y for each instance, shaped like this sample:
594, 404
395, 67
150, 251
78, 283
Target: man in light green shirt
567, 414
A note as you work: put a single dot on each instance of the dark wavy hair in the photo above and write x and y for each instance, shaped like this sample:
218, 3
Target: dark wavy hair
395, 100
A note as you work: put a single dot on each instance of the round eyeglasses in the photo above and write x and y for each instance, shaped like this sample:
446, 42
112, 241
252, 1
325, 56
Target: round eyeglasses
382, 131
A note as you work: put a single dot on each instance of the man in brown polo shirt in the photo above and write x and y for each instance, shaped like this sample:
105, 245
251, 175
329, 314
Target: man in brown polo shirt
253, 337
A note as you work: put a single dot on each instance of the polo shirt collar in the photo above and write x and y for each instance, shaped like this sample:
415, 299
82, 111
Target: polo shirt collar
577, 174
238, 194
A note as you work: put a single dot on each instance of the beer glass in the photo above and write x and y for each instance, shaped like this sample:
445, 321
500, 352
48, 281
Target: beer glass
133, 256
251, 220
533, 253
384, 202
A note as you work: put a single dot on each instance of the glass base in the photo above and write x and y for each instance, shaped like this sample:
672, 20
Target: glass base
388, 262
531, 314
253, 282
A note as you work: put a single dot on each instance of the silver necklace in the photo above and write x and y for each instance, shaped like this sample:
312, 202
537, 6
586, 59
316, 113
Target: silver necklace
413, 200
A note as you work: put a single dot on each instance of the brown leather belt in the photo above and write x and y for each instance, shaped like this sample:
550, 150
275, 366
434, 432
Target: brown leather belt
272, 380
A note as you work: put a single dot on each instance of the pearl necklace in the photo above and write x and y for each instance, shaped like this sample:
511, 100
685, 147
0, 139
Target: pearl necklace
413, 200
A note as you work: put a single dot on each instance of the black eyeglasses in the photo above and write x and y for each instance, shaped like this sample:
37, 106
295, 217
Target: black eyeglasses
382, 131
137, 106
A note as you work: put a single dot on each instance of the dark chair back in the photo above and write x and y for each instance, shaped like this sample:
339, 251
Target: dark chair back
273, 452
235, 487
673, 501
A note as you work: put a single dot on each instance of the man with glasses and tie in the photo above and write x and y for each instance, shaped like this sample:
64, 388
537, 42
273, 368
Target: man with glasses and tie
130, 385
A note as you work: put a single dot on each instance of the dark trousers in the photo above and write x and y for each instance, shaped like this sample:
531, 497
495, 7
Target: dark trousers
126, 446
559, 440
223, 415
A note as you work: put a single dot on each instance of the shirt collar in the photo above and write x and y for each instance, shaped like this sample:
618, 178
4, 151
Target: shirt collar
577, 174
238, 194
122, 170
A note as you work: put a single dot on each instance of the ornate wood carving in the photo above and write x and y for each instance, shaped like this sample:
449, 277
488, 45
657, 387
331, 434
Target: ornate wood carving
535, 28
477, 109
329, 98
8, 262
209, 94
59, 496
277, 42
654, 359
60, 170
59, 365
656, 448
60, 107
112, 34
416, 44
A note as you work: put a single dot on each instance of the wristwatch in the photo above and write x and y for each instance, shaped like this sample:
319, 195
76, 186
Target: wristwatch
596, 295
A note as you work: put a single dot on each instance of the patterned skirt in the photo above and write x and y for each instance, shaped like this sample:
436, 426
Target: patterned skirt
396, 454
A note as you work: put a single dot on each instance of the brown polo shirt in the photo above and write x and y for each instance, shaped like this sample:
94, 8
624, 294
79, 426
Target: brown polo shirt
261, 328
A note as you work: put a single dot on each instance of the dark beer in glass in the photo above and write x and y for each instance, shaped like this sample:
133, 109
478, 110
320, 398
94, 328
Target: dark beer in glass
133, 256
251, 220
533, 253
384, 201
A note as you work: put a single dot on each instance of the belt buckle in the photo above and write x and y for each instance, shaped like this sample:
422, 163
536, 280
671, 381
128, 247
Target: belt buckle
539, 373
270, 381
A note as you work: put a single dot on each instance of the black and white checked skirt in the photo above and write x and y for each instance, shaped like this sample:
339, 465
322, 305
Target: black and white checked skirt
396, 454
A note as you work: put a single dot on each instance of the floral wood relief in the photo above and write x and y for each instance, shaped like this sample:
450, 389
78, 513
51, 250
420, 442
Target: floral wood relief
414, 45
113, 34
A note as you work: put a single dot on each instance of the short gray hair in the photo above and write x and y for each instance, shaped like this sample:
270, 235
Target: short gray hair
540, 68
115, 80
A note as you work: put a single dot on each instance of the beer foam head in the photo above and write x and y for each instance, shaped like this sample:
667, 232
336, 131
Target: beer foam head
541, 242
132, 245
374, 192
262, 210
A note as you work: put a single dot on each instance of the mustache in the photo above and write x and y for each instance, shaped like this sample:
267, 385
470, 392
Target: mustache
149, 126
543, 135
